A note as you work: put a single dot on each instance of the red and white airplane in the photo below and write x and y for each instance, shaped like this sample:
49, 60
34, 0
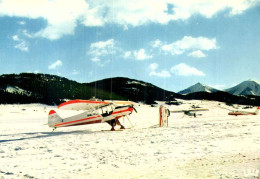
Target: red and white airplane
90, 112
236, 113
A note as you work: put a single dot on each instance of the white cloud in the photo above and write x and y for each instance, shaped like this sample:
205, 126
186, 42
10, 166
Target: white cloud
55, 65
156, 43
15, 38
103, 48
21, 22
22, 45
62, 16
208, 8
25, 33
141, 55
164, 73
95, 59
153, 66
184, 70
188, 43
197, 54
127, 54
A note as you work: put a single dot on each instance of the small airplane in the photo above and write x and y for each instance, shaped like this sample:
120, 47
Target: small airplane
236, 113
91, 112
190, 112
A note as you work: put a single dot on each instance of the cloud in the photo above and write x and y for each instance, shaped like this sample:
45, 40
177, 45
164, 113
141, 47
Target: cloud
95, 59
188, 43
184, 70
156, 43
197, 54
153, 66
55, 65
127, 54
22, 22
22, 45
62, 16
208, 8
164, 73
103, 48
15, 38
141, 55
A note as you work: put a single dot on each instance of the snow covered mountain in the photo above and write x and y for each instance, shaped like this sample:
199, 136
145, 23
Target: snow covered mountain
198, 87
249, 87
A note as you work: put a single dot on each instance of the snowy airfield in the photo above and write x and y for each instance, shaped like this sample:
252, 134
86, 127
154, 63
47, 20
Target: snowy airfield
214, 145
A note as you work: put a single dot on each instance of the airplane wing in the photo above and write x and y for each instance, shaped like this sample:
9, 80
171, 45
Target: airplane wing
189, 110
121, 102
79, 104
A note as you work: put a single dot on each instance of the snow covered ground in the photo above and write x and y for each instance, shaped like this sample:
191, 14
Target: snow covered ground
213, 145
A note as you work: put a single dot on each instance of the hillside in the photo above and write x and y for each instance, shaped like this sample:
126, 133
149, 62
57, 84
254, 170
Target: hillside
51, 89
48, 89
134, 90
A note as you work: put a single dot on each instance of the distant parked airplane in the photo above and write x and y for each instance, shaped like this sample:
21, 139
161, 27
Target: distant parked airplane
190, 112
236, 113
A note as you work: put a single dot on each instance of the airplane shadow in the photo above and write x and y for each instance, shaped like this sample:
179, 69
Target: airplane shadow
40, 135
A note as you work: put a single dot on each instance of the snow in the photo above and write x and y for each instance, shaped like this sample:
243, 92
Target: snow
15, 89
213, 145
136, 82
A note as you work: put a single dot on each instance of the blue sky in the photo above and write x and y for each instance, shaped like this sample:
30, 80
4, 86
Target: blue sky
170, 43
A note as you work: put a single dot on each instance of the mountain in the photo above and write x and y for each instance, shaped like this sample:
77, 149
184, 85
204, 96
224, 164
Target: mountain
48, 89
224, 97
51, 89
249, 87
134, 90
198, 87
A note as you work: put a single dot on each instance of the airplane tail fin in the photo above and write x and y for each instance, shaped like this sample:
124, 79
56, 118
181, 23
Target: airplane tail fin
53, 118
257, 110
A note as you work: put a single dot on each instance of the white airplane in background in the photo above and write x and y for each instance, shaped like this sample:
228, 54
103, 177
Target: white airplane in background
91, 112
237, 113
190, 112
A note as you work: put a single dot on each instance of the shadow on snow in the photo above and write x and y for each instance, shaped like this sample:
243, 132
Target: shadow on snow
45, 135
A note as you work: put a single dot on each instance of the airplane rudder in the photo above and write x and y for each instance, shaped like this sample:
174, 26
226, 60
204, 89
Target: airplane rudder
52, 112
53, 117
257, 110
